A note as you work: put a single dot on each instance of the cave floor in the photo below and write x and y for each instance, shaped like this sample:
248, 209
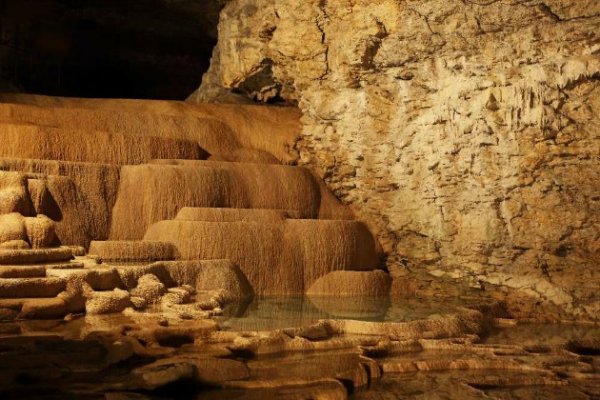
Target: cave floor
281, 347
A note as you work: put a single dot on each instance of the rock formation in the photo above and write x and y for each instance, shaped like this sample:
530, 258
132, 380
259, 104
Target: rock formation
466, 132
182, 207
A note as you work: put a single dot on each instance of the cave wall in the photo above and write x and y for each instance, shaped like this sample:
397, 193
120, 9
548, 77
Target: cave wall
466, 132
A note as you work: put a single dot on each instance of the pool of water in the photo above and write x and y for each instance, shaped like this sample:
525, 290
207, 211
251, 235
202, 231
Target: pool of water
267, 313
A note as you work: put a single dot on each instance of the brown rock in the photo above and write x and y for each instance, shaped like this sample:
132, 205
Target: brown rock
34, 256
352, 283
31, 287
44, 309
294, 252
40, 231
13, 193
352, 294
130, 251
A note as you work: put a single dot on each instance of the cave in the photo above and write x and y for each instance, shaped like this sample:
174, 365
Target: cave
268, 199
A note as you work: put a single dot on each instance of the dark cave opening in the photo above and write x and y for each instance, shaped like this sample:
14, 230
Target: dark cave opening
155, 49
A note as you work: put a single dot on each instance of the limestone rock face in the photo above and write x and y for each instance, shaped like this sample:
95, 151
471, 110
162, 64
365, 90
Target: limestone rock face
467, 132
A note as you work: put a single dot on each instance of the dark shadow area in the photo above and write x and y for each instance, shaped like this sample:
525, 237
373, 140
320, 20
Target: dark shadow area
106, 48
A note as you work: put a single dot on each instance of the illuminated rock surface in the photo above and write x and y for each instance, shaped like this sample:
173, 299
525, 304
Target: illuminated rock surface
466, 132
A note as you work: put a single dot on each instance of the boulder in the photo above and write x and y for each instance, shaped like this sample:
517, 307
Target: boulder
149, 288
225, 278
107, 302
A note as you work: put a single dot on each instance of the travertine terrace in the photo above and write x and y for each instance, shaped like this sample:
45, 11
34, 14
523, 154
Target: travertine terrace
140, 185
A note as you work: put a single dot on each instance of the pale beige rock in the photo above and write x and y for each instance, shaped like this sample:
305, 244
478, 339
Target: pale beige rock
138, 303
101, 278
467, 132
74, 296
464, 323
176, 296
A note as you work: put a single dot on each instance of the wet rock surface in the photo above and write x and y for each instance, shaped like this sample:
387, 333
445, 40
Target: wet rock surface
151, 356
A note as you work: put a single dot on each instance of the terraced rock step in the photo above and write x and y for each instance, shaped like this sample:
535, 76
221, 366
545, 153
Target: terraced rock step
283, 257
35, 256
216, 214
98, 278
235, 133
170, 185
48, 143
129, 251
31, 287
22, 271
36, 270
